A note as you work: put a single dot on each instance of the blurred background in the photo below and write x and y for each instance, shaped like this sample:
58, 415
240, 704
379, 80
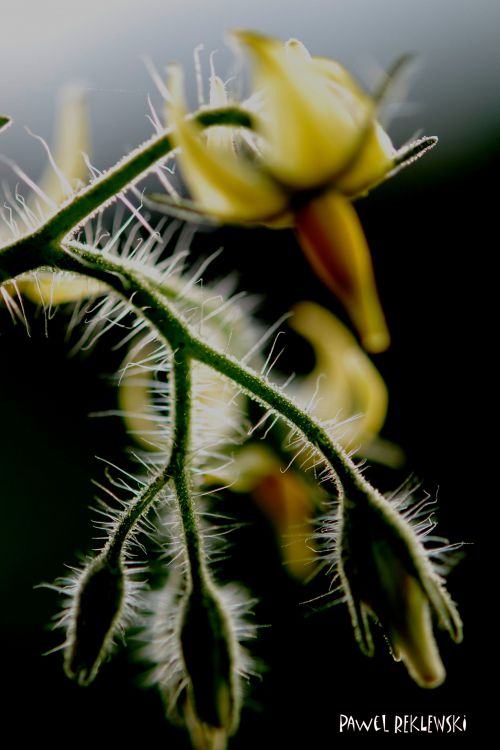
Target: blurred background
433, 237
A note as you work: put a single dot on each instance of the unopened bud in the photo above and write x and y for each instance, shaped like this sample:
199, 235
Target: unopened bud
99, 603
386, 574
208, 653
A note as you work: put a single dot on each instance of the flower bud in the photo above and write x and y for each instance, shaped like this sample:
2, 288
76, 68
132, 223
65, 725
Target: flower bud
93, 618
195, 643
387, 575
208, 651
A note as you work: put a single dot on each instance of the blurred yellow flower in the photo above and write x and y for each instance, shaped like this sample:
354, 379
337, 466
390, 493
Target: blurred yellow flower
317, 125
346, 392
65, 172
344, 386
285, 497
316, 146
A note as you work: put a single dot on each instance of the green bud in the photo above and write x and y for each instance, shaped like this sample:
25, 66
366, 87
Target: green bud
387, 575
99, 602
208, 654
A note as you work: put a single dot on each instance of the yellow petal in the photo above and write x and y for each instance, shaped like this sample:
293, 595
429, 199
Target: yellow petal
136, 404
49, 288
336, 73
251, 464
374, 161
312, 122
376, 154
414, 639
333, 241
351, 385
71, 141
225, 186
287, 501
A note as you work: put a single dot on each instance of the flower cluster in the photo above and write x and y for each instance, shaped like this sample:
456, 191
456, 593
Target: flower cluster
316, 146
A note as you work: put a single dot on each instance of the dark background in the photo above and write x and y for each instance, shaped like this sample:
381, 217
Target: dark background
432, 231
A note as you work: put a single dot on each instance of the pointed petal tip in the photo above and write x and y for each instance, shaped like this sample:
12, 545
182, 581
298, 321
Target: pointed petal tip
420, 655
248, 37
259, 44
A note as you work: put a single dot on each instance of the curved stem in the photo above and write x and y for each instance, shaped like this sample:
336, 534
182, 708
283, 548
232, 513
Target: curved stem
130, 519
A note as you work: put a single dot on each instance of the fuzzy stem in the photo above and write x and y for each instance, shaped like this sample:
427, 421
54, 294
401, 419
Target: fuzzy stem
141, 291
94, 197
182, 413
129, 520
268, 395
27, 252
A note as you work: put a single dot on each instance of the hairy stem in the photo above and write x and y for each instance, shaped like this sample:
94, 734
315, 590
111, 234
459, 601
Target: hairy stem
125, 173
142, 292
180, 448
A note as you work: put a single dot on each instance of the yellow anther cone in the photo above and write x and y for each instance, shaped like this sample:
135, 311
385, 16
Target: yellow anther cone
332, 238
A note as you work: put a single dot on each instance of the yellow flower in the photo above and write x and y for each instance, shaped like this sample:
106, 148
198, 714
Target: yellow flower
344, 384
316, 146
317, 124
344, 388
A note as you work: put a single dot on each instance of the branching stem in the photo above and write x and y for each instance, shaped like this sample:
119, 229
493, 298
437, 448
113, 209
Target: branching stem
49, 246
140, 290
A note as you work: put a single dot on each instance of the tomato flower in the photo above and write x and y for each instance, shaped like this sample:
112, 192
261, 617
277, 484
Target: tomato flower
316, 146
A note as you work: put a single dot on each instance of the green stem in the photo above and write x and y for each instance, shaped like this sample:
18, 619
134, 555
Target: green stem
138, 288
127, 172
141, 290
259, 389
180, 449
129, 520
